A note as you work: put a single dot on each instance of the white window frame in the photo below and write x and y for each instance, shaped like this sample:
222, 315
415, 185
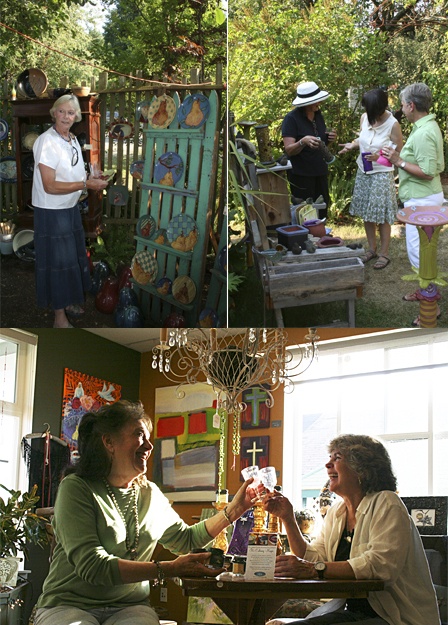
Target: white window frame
23, 405
292, 422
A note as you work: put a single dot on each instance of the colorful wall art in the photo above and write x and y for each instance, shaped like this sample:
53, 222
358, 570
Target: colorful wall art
83, 393
254, 451
257, 413
186, 443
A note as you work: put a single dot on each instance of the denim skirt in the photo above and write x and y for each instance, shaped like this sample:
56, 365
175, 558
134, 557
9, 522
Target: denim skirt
62, 267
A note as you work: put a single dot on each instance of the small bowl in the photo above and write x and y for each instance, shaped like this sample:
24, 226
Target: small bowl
81, 91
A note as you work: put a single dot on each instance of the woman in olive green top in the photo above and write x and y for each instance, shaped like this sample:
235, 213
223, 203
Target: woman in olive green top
419, 163
108, 519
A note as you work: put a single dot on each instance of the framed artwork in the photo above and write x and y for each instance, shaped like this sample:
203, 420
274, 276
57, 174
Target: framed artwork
186, 443
254, 450
83, 393
428, 513
257, 413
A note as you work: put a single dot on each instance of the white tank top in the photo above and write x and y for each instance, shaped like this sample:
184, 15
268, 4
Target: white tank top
372, 139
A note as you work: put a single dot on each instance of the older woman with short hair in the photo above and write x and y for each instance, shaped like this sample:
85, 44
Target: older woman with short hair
368, 534
62, 270
420, 163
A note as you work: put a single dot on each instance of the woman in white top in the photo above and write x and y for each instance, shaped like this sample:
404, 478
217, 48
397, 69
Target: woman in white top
368, 534
374, 195
62, 270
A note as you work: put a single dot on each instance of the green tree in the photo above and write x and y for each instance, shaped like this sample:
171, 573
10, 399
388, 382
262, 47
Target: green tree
273, 48
35, 18
164, 37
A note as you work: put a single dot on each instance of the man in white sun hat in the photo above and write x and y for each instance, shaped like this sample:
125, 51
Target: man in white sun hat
302, 130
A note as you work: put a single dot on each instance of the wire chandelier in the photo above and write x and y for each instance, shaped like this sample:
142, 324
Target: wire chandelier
232, 361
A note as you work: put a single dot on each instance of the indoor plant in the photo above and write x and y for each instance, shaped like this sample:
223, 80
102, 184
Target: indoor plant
19, 525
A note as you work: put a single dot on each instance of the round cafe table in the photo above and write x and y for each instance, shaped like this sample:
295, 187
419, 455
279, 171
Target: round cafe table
429, 221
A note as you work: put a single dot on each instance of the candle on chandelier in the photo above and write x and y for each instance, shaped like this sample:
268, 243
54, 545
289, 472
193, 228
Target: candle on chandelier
163, 335
213, 339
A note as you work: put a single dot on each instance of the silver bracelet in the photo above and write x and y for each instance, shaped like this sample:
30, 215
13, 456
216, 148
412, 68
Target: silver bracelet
226, 514
160, 581
84, 191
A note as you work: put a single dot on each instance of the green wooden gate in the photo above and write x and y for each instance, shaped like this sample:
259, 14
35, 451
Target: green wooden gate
192, 196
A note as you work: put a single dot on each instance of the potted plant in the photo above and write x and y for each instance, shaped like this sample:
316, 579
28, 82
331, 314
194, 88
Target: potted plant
19, 525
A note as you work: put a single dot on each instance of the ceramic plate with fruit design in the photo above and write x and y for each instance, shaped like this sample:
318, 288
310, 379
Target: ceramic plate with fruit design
161, 112
146, 226
184, 289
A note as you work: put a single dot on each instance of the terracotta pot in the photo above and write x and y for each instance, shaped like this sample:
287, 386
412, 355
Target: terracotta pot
316, 227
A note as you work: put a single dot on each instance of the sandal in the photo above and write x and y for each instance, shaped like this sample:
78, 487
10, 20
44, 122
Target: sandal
382, 262
74, 310
411, 297
369, 255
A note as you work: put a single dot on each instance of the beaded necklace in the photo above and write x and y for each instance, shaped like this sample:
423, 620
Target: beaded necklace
131, 548
70, 136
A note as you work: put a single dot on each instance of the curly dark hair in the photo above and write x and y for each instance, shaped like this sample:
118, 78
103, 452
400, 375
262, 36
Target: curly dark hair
369, 459
94, 462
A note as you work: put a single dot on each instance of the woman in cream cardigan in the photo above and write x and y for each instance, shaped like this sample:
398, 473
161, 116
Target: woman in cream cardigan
368, 534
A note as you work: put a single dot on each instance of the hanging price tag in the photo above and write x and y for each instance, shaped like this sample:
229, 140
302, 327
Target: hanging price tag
163, 594
216, 420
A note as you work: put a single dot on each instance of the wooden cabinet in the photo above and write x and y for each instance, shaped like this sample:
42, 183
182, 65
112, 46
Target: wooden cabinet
33, 116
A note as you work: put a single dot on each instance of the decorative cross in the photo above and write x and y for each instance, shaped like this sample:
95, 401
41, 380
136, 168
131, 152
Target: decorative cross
254, 451
256, 396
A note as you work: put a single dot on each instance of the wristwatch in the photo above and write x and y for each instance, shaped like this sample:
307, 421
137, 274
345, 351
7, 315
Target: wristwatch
403, 164
301, 143
320, 568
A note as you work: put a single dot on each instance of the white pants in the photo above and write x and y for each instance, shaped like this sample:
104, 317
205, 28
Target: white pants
412, 236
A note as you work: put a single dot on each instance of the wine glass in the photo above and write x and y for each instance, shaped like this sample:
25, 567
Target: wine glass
251, 472
268, 476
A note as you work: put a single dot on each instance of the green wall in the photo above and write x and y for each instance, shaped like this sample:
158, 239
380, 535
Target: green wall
81, 351
88, 353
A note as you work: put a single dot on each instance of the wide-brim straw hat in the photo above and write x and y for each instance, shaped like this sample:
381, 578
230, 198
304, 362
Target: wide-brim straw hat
309, 93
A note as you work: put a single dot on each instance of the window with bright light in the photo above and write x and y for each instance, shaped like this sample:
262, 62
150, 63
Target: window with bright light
391, 386
17, 375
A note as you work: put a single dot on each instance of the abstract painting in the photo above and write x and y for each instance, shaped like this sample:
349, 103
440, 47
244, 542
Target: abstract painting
83, 393
186, 443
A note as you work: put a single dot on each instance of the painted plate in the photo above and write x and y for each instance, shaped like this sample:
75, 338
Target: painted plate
136, 169
194, 111
118, 195
160, 237
161, 112
142, 110
29, 140
3, 129
122, 130
184, 289
208, 318
146, 226
28, 166
222, 261
164, 286
182, 232
8, 169
144, 267
168, 169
